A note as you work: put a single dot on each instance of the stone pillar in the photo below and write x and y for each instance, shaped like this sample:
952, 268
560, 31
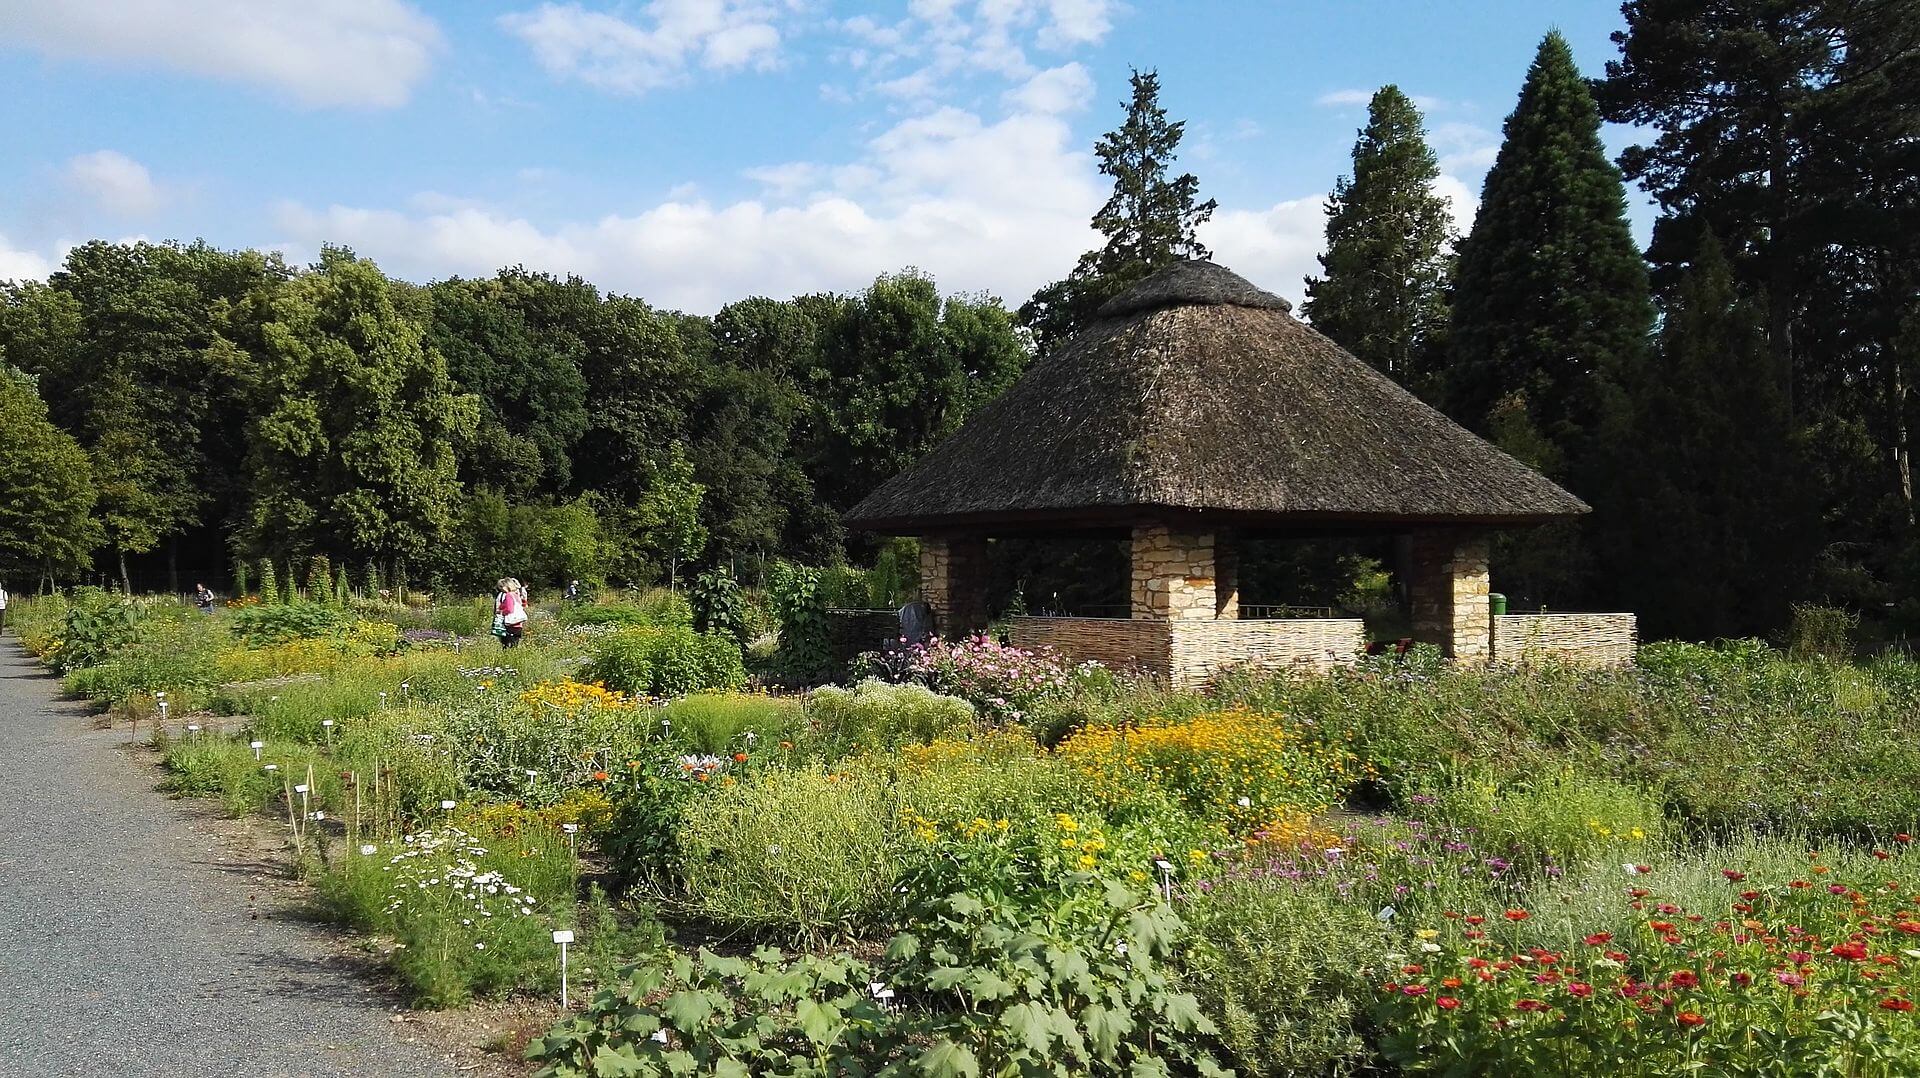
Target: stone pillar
1447, 588
953, 581
1174, 574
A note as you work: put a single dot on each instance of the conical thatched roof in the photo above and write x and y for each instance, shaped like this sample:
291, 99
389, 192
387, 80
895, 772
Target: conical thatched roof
1194, 391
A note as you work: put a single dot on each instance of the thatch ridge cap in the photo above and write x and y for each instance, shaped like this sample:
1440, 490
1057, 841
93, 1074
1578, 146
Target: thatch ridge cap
1191, 282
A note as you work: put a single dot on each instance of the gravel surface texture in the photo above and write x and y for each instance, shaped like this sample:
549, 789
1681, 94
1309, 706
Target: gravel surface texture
136, 940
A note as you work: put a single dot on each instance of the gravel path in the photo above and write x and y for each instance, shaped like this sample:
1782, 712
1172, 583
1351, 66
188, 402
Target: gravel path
128, 940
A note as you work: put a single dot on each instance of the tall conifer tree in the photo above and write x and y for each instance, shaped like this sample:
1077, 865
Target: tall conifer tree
1551, 316
1149, 220
1384, 293
1718, 530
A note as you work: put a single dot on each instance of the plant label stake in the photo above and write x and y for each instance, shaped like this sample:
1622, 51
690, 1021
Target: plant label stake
256, 746
572, 830
327, 725
406, 693
1166, 877
563, 936
447, 807
383, 700
193, 731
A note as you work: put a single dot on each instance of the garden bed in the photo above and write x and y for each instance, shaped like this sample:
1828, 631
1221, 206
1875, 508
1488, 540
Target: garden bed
992, 859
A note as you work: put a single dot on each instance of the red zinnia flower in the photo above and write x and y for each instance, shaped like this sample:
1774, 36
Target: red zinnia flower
1529, 1005
1903, 838
1599, 938
1475, 919
1895, 1003
1517, 915
1445, 1003
1580, 991
1414, 990
1685, 978
1690, 1019
1852, 949
1732, 875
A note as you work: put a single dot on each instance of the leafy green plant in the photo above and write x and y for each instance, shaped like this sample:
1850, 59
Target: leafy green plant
665, 662
797, 597
98, 624
717, 604
293, 620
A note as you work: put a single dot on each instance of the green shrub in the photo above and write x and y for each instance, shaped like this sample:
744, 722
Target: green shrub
876, 715
798, 853
718, 722
262, 626
718, 606
797, 596
176, 656
1825, 632
98, 624
1556, 819
1282, 972
657, 608
665, 662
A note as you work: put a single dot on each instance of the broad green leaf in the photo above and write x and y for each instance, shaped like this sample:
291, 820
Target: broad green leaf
948, 1060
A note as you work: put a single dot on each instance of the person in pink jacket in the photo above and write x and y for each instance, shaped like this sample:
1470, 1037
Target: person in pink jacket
510, 612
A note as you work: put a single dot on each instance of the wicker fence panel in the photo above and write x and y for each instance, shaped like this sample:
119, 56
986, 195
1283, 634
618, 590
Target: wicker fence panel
1119, 643
1587, 639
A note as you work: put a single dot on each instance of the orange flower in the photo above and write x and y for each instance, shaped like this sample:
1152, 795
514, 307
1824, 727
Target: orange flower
739, 757
599, 776
1517, 915
1690, 1019
701, 777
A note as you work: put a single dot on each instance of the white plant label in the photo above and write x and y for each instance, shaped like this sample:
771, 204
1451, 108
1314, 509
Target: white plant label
448, 805
300, 788
563, 936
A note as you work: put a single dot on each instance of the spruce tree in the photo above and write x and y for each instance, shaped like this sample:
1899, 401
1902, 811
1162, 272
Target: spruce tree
1148, 221
1719, 528
1384, 293
1551, 308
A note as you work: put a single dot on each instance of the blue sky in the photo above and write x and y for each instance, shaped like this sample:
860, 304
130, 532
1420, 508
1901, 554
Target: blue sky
697, 151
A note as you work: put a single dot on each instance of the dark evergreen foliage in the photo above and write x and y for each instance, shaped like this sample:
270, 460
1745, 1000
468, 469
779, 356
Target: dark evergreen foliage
1383, 297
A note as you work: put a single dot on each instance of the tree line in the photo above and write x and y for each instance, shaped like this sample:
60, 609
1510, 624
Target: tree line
1735, 401
184, 402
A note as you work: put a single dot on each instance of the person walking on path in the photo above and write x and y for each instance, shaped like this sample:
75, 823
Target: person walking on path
203, 598
3, 608
510, 612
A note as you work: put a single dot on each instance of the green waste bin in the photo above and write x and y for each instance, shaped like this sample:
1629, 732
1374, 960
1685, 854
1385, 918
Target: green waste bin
1499, 602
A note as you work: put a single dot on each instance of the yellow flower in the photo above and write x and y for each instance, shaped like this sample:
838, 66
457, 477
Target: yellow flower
1427, 933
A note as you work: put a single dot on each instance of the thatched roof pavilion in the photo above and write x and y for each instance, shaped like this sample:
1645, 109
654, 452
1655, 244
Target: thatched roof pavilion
1194, 407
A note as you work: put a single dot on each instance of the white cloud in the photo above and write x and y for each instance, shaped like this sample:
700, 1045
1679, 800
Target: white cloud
990, 205
1343, 98
368, 53
1274, 248
1464, 147
943, 39
115, 182
611, 53
1067, 88
20, 264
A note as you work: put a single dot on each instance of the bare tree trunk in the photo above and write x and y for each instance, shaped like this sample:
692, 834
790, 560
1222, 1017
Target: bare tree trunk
126, 582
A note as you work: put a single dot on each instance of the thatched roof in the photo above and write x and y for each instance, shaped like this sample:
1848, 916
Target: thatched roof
1195, 392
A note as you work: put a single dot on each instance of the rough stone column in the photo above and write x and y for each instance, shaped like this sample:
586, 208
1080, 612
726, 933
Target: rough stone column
1173, 574
953, 581
1447, 588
